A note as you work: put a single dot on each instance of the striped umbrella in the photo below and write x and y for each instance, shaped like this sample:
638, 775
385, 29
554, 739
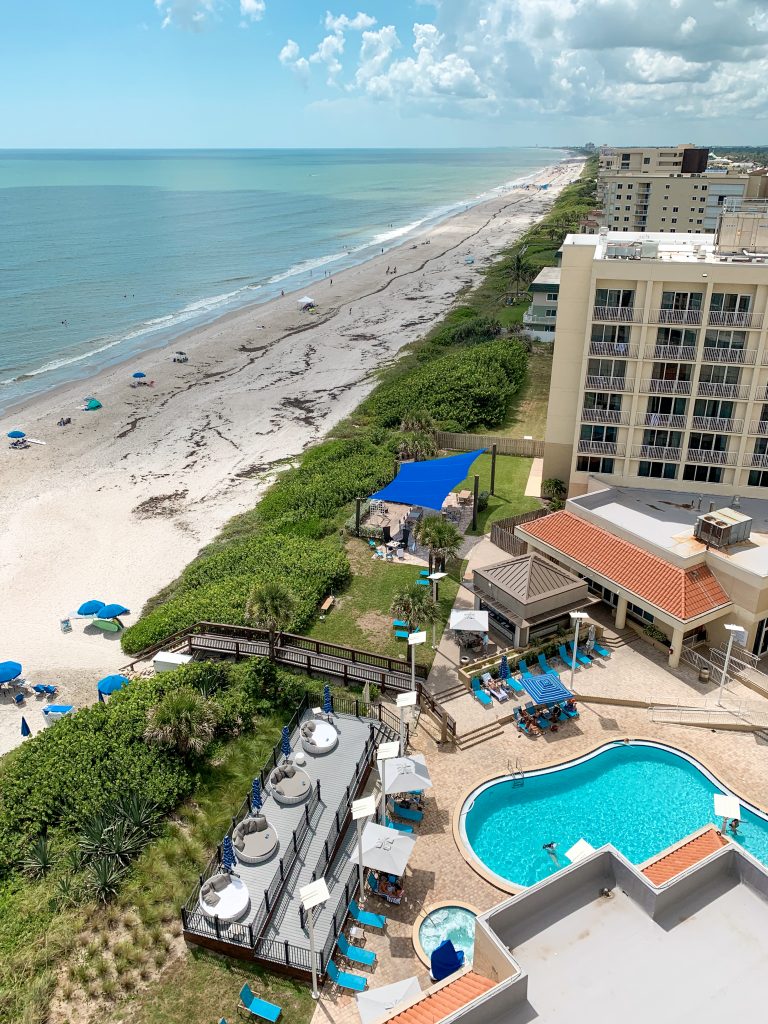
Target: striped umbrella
228, 861
327, 700
256, 795
504, 668
285, 742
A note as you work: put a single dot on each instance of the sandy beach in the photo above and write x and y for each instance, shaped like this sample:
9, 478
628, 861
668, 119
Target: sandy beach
115, 505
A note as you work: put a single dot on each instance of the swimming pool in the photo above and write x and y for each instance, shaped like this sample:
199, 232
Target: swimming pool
640, 797
455, 923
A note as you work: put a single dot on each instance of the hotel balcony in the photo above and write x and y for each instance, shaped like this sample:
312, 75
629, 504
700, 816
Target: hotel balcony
613, 348
604, 416
761, 395
706, 389
717, 425
676, 316
609, 383
710, 458
686, 353
663, 420
750, 320
600, 448
755, 461
656, 452
657, 386
624, 314
745, 356
758, 427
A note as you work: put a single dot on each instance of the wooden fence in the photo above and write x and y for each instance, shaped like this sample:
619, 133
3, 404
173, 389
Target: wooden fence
523, 446
503, 531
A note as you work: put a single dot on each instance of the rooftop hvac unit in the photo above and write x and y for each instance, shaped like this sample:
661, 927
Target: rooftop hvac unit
722, 528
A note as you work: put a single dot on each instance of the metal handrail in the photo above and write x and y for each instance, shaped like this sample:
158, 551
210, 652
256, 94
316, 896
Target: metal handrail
613, 348
718, 424
660, 386
709, 389
717, 354
718, 318
604, 416
625, 314
650, 451
686, 353
600, 448
609, 383
676, 316
758, 427
660, 419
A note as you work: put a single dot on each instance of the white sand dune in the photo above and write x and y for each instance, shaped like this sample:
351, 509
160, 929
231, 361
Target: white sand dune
116, 504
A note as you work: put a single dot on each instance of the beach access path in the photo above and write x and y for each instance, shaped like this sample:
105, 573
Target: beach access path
114, 505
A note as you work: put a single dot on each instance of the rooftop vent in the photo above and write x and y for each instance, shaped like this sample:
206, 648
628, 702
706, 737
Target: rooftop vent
722, 528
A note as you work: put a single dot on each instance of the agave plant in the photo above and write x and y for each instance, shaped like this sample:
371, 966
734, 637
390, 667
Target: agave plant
39, 858
105, 877
68, 892
139, 812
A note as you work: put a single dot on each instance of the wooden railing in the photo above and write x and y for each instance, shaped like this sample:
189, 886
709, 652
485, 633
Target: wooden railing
503, 531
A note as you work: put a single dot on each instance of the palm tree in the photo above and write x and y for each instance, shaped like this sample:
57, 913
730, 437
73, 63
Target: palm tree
520, 270
442, 538
418, 423
271, 606
417, 446
414, 605
183, 720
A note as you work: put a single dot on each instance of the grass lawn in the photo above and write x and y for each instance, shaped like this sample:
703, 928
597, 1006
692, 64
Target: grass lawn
527, 412
361, 617
509, 500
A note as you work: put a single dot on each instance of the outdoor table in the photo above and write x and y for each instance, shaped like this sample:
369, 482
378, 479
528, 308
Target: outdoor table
465, 496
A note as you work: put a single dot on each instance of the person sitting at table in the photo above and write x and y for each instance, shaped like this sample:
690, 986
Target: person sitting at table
391, 889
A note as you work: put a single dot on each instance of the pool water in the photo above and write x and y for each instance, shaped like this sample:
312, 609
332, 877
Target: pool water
454, 923
638, 797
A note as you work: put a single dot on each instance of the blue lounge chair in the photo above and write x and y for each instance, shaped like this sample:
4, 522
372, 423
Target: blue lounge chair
569, 712
479, 693
406, 812
18, 698
354, 954
373, 885
546, 667
258, 1007
398, 825
542, 721
565, 657
39, 688
424, 572
51, 690
520, 723
524, 670
365, 918
371, 542
423, 583
602, 651
399, 624
581, 658
514, 684
352, 982
401, 634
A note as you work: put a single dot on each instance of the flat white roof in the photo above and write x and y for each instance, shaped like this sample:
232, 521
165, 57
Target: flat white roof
547, 275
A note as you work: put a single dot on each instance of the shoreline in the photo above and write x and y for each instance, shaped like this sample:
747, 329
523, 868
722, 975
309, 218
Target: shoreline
117, 504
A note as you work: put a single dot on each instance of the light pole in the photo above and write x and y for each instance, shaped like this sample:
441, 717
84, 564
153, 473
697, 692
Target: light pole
435, 577
577, 618
363, 808
405, 700
414, 639
312, 896
736, 633
385, 752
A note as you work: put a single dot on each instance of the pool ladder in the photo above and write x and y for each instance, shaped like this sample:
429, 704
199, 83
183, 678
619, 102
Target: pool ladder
517, 774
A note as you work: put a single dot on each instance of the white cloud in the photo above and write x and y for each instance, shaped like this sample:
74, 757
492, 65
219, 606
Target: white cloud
342, 22
290, 57
253, 9
328, 52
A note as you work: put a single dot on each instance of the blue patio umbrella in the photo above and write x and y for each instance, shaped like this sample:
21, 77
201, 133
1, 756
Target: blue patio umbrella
504, 667
25, 730
228, 861
111, 684
90, 607
327, 700
111, 611
16, 434
285, 742
138, 375
256, 795
546, 688
9, 670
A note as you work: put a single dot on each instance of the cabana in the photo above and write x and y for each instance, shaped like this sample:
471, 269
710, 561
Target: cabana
428, 484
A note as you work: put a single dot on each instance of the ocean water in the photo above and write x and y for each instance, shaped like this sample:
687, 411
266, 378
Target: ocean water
104, 254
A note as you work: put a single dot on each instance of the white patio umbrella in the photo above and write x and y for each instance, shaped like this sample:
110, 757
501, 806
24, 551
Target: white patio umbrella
306, 300
377, 1002
384, 849
469, 619
405, 774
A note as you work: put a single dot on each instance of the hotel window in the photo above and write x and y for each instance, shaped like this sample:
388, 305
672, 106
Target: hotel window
552, 296
636, 612
675, 209
758, 478
615, 368
713, 408
592, 464
658, 470
675, 337
615, 297
703, 474
662, 438
729, 341
659, 405
611, 334
626, 219
718, 374
595, 432
730, 302
600, 400
703, 187
674, 220
679, 302
550, 312
672, 371
708, 442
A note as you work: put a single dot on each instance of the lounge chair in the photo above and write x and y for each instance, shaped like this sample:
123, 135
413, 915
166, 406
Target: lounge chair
39, 689
545, 666
365, 918
50, 690
565, 657
581, 658
342, 979
602, 651
541, 720
371, 543
423, 583
424, 572
520, 723
497, 690
525, 672
408, 813
354, 954
399, 624
18, 698
398, 825
514, 685
479, 693
401, 634
258, 1007
569, 712
373, 885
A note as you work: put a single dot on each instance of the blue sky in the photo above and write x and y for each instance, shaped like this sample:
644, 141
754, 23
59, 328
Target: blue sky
146, 73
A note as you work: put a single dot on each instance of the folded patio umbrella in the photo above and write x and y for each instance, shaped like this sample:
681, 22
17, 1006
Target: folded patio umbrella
25, 730
405, 774
378, 1002
384, 849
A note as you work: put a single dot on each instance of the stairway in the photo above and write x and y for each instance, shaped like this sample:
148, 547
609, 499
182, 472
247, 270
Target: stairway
613, 639
451, 692
479, 735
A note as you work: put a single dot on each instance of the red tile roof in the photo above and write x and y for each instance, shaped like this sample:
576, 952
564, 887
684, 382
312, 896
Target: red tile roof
684, 857
445, 1001
683, 593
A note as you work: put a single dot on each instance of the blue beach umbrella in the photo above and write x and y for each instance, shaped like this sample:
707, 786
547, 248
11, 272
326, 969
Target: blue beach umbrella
90, 607
9, 670
111, 611
285, 742
111, 684
504, 667
138, 375
256, 795
228, 861
327, 700
16, 434
25, 730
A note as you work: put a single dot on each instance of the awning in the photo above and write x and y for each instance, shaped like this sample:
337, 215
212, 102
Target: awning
470, 619
546, 688
427, 484
384, 849
406, 774
380, 1002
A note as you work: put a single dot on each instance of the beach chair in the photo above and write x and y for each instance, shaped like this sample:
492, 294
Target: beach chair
399, 624
581, 658
50, 690
514, 685
39, 689
497, 689
520, 723
342, 979
479, 693
569, 712
525, 672
354, 954
545, 666
258, 1007
408, 813
401, 634
18, 698
372, 543
398, 825
565, 657
365, 918
424, 573
423, 583
373, 885
602, 651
